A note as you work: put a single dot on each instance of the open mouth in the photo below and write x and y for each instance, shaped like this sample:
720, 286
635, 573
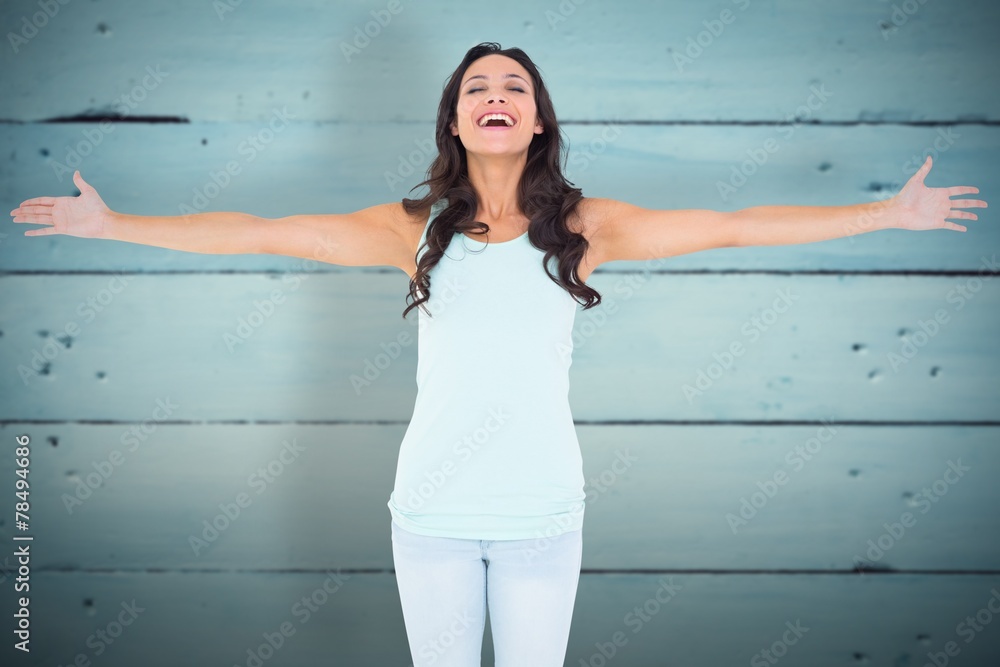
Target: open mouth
497, 120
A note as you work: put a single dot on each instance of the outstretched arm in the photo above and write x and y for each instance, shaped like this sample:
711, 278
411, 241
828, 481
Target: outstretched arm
374, 236
626, 232
87, 216
916, 207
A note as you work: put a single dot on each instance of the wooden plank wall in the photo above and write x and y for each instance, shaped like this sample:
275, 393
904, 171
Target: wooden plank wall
756, 499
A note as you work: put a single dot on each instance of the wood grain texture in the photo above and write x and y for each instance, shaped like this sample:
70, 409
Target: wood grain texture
336, 168
662, 347
604, 61
739, 493
709, 620
659, 497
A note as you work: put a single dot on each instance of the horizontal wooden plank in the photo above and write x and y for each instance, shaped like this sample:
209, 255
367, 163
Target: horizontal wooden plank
308, 168
635, 619
661, 347
636, 60
658, 497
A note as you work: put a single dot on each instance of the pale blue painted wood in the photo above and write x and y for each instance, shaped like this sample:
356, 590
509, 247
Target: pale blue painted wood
157, 169
214, 618
606, 60
605, 63
656, 349
658, 497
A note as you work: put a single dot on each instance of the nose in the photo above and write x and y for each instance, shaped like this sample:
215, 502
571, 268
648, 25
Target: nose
494, 97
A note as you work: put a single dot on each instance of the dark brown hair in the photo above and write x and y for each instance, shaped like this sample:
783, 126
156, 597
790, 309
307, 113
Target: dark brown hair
544, 195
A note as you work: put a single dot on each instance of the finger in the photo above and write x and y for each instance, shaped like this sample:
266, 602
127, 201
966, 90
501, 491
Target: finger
36, 219
963, 215
952, 225
44, 231
44, 210
962, 190
43, 201
924, 168
967, 203
78, 180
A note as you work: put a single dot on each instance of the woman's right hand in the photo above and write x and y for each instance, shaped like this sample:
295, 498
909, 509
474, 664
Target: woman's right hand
83, 216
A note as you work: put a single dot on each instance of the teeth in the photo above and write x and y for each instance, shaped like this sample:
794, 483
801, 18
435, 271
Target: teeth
497, 116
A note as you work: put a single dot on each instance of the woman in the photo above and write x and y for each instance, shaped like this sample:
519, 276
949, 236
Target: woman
488, 502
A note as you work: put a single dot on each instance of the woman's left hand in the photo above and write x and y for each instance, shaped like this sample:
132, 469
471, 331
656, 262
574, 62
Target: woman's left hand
918, 207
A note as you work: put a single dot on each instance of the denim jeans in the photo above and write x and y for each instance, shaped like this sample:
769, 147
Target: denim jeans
446, 585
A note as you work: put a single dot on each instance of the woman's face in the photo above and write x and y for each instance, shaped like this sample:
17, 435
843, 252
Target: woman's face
487, 88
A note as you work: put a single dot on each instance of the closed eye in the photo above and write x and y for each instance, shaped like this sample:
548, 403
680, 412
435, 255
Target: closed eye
472, 90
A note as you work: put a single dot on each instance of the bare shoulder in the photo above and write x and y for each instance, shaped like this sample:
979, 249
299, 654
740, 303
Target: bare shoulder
618, 230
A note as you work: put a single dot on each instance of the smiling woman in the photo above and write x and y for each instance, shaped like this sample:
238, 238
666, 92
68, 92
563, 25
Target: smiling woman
502, 120
488, 500
498, 169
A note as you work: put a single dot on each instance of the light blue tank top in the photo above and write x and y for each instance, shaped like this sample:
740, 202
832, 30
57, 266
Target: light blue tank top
491, 451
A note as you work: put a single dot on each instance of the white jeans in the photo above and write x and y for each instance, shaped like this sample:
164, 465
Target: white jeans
445, 585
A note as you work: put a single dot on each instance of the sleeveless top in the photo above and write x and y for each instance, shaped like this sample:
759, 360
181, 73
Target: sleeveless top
491, 451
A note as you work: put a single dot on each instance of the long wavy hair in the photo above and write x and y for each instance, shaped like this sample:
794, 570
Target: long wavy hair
544, 195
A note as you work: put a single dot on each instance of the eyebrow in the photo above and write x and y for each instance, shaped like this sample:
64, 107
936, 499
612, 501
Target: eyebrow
506, 76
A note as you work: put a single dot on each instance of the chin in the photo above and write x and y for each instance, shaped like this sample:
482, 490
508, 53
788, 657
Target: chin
498, 148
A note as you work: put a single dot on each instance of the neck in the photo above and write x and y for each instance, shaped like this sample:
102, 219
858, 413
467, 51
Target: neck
495, 179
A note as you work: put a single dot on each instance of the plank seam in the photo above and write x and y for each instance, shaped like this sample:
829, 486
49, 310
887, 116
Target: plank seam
595, 571
775, 272
85, 118
588, 422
